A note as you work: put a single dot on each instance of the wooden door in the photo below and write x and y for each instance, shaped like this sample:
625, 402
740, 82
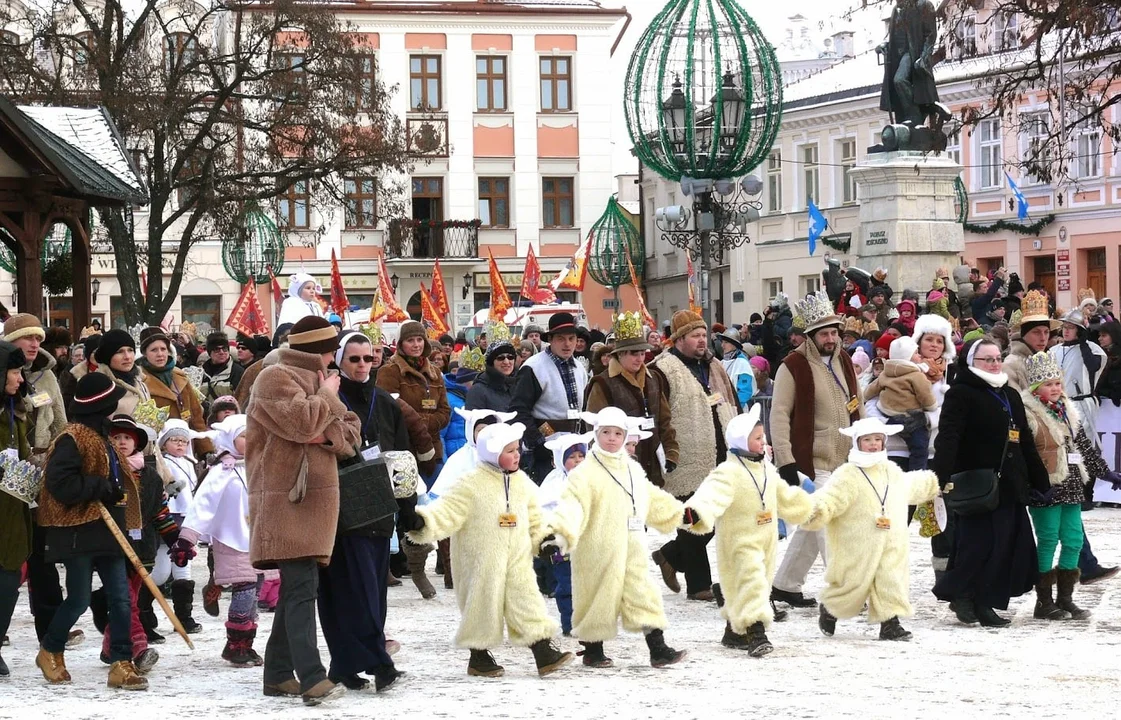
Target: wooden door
1095, 272
1044, 270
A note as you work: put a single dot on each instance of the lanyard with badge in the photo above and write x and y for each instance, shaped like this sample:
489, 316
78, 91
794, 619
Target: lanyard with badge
41, 398
370, 450
507, 519
1013, 431
764, 516
882, 522
634, 524
853, 402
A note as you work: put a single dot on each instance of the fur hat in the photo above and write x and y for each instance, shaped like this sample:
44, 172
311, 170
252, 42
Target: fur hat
23, 325
217, 340
411, 329
56, 336
903, 348
683, 323
937, 325
111, 342
150, 335
313, 334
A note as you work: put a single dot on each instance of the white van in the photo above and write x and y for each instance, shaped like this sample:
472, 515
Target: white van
518, 318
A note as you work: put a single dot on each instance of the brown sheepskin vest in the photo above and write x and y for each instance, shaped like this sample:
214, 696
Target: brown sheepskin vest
95, 463
624, 395
802, 415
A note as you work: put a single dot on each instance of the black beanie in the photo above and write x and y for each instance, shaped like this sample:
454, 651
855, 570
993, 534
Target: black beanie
111, 342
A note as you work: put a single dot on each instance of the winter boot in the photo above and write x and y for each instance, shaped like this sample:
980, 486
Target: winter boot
148, 619
418, 556
669, 575
757, 643
826, 622
444, 553
324, 691
211, 594
146, 660
183, 600
4, 671
239, 648
1045, 607
592, 655
892, 630
99, 609
53, 667
123, 676
718, 595
793, 599
350, 682
988, 617
392, 580
965, 610
482, 664
74, 639
548, 658
780, 615
385, 676
1067, 580
661, 654
733, 639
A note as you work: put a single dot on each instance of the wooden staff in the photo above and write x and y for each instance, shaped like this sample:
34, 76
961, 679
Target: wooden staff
139, 567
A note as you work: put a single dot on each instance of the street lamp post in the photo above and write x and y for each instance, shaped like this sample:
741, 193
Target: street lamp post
703, 107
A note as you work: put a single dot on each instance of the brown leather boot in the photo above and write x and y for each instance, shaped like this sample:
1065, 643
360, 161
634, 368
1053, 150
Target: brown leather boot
123, 675
1066, 581
418, 556
53, 666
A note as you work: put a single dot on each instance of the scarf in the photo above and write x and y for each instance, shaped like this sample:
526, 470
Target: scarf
162, 374
866, 459
935, 368
996, 380
420, 363
129, 377
750, 456
1058, 410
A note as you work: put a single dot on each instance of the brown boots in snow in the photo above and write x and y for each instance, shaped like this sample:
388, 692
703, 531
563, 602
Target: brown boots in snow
53, 667
545, 655
123, 675
1060, 606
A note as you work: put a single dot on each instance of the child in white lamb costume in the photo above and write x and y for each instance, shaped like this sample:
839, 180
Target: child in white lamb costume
863, 510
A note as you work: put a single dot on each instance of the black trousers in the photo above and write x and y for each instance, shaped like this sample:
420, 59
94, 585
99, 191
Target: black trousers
293, 645
44, 588
688, 554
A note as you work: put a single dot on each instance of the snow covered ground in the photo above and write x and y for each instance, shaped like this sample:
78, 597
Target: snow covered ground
1030, 669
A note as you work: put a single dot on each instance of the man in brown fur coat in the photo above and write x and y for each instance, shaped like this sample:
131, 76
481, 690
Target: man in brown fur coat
297, 428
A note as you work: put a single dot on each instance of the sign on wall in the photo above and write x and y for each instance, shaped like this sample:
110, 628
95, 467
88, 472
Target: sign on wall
1109, 430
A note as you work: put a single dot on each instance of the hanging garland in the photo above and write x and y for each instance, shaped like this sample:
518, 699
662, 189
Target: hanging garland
961, 197
1033, 229
838, 245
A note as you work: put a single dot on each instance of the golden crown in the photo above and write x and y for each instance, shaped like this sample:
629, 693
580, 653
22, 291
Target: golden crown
628, 326
1042, 367
855, 325
815, 308
373, 332
148, 414
496, 332
473, 359
190, 330
1016, 320
1034, 306
1086, 294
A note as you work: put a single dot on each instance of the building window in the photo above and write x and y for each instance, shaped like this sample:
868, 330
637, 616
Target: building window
991, 161
490, 84
774, 287
179, 50
953, 146
1033, 142
556, 84
965, 39
191, 169
774, 181
199, 309
362, 97
810, 284
848, 162
494, 202
296, 77
293, 206
425, 91
1087, 150
810, 174
557, 202
361, 202
117, 314
1006, 31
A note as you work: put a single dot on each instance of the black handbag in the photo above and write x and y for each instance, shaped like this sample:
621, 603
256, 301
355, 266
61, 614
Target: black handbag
972, 492
365, 494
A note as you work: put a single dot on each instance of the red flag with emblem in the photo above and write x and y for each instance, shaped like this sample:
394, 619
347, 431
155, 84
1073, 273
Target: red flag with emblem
248, 317
439, 291
393, 311
339, 303
434, 325
573, 275
531, 281
277, 293
499, 297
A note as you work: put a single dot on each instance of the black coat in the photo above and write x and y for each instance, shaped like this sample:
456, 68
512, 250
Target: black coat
492, 391
152, 504
971, 432
1109, 382
384, 426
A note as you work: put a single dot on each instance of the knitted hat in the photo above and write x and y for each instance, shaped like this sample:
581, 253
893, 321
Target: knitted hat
465, 375
884, 343
496, 349
96, 394
217, 340
150, 335
111, 342
756, 317
860, 359
13, 357
683, 323
760, 363
125, 423
23, 325
313, 334
176, 428
223, 403
902, 348
411, 329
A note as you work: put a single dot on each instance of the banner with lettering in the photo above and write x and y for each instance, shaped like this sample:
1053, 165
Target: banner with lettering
1109, 430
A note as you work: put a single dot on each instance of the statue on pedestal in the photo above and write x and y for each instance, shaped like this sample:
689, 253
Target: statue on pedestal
909, 92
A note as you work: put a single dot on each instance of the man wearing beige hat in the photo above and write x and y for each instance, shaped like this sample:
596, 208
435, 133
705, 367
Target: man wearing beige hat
815, 394
44, 398
702, 399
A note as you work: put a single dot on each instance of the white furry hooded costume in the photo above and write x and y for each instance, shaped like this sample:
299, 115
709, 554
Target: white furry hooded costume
494, 580
465, 459
294, 307
743, 500
867, 562
600, 521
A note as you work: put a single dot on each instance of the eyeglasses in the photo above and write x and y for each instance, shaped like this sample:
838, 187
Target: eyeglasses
979, 359
361, 358
500, 358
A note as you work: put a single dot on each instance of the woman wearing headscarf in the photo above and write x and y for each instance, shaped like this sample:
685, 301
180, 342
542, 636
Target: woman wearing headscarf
983, 426
301, 300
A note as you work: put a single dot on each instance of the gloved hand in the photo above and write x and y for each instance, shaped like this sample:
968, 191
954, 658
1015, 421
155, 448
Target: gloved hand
111, 493
553, 546
1045, 497
175, 487
407, 516
182, 552
689, 517
1113, 477
789, 473
670, 466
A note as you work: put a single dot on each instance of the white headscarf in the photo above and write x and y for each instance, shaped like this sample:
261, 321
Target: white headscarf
341, 352
225, 432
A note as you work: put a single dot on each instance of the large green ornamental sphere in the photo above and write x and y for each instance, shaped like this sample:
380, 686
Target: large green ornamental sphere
703, 92
614, 238
258, 248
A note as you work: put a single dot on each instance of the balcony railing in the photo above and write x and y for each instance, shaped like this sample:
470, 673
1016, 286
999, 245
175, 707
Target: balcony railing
409, 238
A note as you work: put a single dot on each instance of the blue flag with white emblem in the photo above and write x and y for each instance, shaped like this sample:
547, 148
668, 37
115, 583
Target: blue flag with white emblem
1021, 201
817, 225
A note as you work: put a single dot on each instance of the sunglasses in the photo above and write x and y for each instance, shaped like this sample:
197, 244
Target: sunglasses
361, 358
500, 358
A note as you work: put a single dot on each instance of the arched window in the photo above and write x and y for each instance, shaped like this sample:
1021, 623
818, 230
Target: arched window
180, 50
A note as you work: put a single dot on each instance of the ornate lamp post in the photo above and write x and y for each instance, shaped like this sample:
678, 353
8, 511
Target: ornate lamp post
614, 239
703, 106
258, 248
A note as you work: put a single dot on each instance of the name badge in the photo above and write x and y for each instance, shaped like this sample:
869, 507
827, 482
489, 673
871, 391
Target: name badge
371, 452
764, 517
715, 399
12, 453
573, 414
883, 523
507, 520
40, 399
135, 534
634, 524
1074, 458
428, 404
1013, 435
647, 423
852, 405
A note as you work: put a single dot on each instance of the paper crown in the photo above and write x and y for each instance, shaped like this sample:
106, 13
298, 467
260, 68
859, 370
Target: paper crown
1086, 294
21, 479
403, 469
854, 325
496, 332
628, 326
195, 374
1042, 367
941, 272
148, 414
190, 330
473, 359
816, 311
373, 332
1034, 307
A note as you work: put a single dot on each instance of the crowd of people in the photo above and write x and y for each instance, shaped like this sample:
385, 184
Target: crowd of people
531, 465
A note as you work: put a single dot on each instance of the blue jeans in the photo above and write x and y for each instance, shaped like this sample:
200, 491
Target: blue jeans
562, 572
79, 581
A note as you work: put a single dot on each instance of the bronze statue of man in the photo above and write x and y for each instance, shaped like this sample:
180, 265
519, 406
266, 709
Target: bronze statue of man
909, 92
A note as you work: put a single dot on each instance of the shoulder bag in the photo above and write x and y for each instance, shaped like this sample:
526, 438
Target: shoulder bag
972, 492
365, 494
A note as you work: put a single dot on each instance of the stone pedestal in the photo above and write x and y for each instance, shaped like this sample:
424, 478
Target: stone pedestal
908, 223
